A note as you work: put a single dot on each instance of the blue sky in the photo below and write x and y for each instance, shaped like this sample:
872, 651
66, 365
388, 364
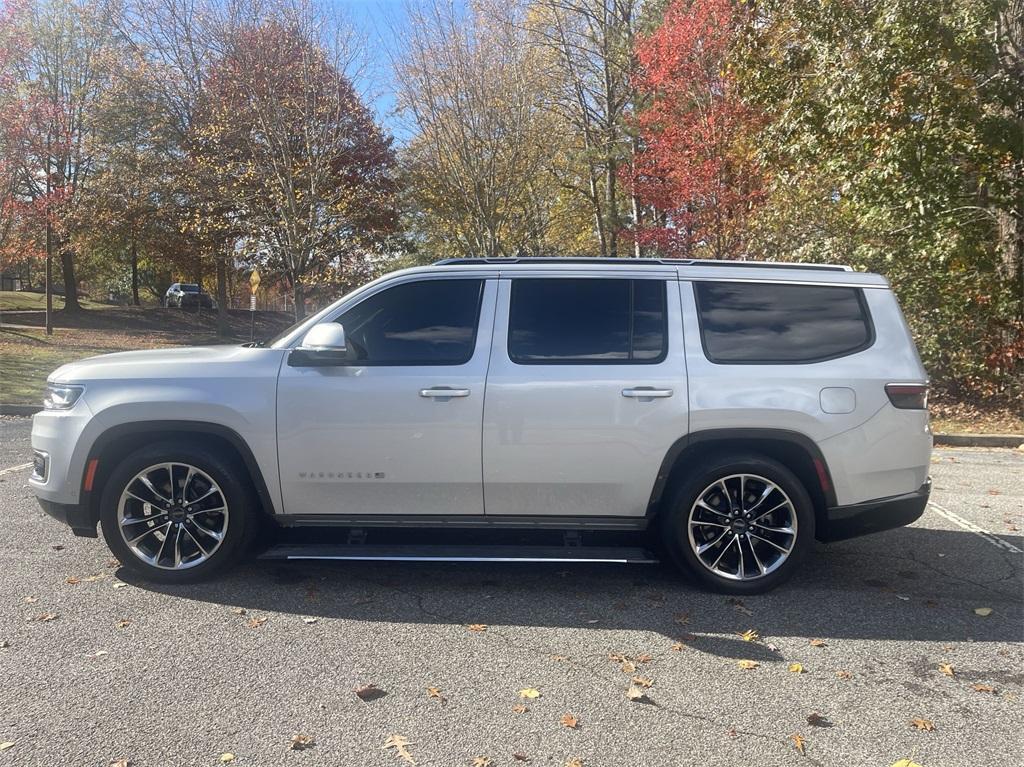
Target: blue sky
374, 19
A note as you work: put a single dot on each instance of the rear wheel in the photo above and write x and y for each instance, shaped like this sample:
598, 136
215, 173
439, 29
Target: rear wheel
176, 513
740, 524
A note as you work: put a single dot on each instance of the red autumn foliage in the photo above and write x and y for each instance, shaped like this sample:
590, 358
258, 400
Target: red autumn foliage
695, 169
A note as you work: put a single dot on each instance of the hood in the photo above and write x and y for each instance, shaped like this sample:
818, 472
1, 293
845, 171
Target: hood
174, 362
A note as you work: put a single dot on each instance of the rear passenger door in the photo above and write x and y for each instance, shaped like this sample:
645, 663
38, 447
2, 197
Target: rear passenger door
585, 394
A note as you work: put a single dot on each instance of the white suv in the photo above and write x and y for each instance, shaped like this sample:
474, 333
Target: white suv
730, 412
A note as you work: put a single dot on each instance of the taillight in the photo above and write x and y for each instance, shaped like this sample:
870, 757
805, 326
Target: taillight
907, 396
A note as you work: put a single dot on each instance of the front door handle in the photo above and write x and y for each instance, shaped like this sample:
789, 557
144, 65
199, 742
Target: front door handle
443, 391
643, 392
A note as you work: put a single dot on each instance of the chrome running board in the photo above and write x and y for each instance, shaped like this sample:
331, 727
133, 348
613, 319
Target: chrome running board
441, 553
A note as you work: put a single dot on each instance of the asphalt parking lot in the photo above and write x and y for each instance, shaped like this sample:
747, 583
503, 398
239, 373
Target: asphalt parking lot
96, 667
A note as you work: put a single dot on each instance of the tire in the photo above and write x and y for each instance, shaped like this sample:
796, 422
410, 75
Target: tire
722, 534
202, 476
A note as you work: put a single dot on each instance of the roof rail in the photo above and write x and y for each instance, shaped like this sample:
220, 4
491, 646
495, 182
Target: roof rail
640, 262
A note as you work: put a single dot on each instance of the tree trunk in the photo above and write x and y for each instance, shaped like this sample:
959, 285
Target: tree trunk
67, 264
135, 273
300, 300
222, 298
598, 218
612, 209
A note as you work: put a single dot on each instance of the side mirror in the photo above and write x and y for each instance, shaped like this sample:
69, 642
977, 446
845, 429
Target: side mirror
324, 344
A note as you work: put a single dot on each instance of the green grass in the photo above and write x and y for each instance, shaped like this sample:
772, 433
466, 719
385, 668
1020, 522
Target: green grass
11, 301
27, 357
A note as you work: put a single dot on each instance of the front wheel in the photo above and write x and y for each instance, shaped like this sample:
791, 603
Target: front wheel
740, 524
176, 513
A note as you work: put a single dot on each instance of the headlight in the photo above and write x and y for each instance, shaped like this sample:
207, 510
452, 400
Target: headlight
61, 396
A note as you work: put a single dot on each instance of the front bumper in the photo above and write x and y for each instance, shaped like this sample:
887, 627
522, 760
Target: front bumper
76, 516
842, 522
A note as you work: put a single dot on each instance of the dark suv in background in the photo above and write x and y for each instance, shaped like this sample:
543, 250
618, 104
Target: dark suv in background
182, 294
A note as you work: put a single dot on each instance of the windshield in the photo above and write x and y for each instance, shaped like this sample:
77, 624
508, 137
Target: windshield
189, 288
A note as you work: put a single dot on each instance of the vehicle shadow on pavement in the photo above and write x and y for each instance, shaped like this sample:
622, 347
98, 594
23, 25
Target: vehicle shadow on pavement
905, 584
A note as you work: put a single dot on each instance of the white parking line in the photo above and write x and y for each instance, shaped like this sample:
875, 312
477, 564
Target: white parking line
13, 469
992, 538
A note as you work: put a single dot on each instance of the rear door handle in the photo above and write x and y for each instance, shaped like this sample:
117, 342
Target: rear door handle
444, 391
639, 392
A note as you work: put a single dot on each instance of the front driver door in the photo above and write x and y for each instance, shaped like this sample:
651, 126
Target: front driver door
396, 428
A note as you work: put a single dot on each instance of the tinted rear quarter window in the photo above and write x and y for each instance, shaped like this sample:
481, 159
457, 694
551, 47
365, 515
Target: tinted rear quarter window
587, 321
770, 323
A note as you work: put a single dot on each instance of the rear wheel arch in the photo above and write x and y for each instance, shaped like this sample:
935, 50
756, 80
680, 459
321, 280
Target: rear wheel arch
796, 451
118, 442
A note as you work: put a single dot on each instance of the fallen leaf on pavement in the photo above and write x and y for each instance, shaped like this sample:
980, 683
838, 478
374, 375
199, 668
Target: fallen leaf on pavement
255, 623
798, 741
120, 585
844, 674
435, 692
643, 658
238, 610
123, 624
46, 617
369, 692
309, 619
796, 668
4, 644
642, 681
121, 763
520, 757
98, 654
906, 763
738, 604
677, 647
72, 580
31, 600
818, 643
477, 627
519, 708
401, 745
983, 688
984, 612
301, 741
747, 664
574, 762
529, 692
817, 720
637, 694
227, 757
946, 669
749, 636
683, 618
482, 761
560, 658
568, 720
922, 724
6, 745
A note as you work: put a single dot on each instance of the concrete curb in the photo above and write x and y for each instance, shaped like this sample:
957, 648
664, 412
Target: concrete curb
979, 440
19, 409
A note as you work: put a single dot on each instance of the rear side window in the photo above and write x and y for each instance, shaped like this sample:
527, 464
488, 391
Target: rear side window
765, 323
430, 322
587, 321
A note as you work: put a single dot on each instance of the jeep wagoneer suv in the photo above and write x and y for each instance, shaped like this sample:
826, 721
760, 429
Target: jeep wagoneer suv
734, 411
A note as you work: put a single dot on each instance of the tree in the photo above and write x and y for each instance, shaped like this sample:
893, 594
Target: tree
304, 173
896, 144
62, 70
480, 171
696, 168
134, 185
589, 46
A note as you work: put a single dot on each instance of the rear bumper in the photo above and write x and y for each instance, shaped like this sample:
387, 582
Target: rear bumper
74, 515
858, 519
